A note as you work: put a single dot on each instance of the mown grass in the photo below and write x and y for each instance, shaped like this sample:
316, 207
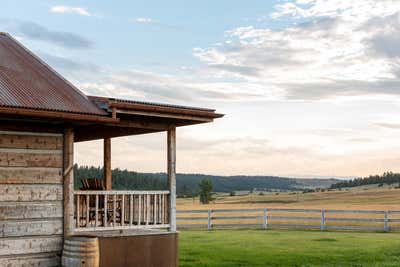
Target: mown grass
287, 248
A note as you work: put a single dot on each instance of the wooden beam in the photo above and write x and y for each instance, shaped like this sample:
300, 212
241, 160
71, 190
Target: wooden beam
165, 115
101, 132
107, 164
171, 152
68, 174
59, 115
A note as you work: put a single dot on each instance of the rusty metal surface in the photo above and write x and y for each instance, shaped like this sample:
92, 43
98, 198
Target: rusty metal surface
107, 103
139, 251
27, 82
118, 100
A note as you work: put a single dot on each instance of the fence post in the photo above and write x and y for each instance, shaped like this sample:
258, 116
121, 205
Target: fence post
322, 220
209, 219
265, 219
386, 222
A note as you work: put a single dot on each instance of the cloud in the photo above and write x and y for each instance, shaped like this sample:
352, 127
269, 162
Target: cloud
361, 140
33, 31
144, 20
151, 86
388, 125
154, 23
329, 49
70, 10
68, 64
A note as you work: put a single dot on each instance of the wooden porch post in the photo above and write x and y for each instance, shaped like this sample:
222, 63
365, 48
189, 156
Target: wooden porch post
171, 147
68, 163
107, 163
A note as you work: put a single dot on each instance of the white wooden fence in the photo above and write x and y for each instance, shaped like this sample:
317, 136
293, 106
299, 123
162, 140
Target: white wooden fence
323, 219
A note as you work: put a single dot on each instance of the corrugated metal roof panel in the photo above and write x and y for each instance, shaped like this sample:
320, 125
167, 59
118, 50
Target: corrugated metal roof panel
28, 82
160, 104
118, 100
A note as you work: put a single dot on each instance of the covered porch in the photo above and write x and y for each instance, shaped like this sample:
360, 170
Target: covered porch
97, 209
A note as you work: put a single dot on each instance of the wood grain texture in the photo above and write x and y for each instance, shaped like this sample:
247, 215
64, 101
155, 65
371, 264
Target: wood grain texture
10, 140
31, 228
32, 260
30, 210
68, 180
30, 175
107, 163
30, 192
13, 159
29, 245
171, 152
31, 199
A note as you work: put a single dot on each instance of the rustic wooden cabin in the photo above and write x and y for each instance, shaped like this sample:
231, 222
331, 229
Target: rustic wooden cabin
42, 115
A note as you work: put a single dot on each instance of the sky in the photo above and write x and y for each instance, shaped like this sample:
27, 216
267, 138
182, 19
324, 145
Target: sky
309, 87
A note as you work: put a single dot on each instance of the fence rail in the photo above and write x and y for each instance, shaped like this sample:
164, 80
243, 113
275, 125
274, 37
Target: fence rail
323, 219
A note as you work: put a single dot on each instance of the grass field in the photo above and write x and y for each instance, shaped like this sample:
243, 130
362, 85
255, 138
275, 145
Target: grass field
287, 248
365, 198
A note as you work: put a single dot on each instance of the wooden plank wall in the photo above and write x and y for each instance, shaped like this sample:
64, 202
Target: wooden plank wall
31, 195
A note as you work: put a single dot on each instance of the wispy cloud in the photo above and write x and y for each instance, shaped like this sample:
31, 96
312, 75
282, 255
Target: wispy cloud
144, 20
159, 87
34, 31
70, 10
155, 23
388, 125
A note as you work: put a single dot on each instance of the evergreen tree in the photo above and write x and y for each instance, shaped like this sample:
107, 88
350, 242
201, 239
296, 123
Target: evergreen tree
205, 187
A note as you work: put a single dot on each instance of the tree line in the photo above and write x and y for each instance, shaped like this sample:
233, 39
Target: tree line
386, 178
187, 184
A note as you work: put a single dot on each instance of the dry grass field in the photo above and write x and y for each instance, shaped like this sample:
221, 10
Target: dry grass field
353, 199
365, 198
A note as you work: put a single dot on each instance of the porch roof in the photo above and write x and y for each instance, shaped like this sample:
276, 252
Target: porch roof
30, 90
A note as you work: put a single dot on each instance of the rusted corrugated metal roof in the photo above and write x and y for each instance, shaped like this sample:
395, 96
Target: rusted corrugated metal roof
159, 104
28, 82
108, 103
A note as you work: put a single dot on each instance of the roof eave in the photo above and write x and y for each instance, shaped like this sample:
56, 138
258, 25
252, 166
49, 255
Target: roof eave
55, 114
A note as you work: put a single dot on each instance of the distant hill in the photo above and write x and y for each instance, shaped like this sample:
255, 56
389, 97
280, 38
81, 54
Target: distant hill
187, 184
388, 178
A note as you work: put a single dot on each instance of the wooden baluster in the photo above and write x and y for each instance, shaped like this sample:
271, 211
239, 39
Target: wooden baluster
131, 210
105, 210
162, 208
140, 209
114, 209
155, 209
147, 209
96, 217
87, 211
77, 211
122, 216
165, 209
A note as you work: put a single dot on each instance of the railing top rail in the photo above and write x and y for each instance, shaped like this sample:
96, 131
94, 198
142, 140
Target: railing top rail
121, 192
293, 210
237, 210
191, 211
357, 211
290, 210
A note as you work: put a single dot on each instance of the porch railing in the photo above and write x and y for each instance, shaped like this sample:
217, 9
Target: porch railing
117, 210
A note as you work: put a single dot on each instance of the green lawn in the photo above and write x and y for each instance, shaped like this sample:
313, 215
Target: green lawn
288, 248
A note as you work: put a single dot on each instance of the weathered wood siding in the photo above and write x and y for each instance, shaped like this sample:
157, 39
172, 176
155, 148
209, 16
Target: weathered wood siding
31, 195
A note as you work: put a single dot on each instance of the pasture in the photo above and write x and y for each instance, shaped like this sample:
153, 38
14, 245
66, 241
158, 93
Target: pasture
356, 209
357, 198
287, 248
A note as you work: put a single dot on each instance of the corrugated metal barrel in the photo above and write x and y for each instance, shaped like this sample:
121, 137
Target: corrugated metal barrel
80, 251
